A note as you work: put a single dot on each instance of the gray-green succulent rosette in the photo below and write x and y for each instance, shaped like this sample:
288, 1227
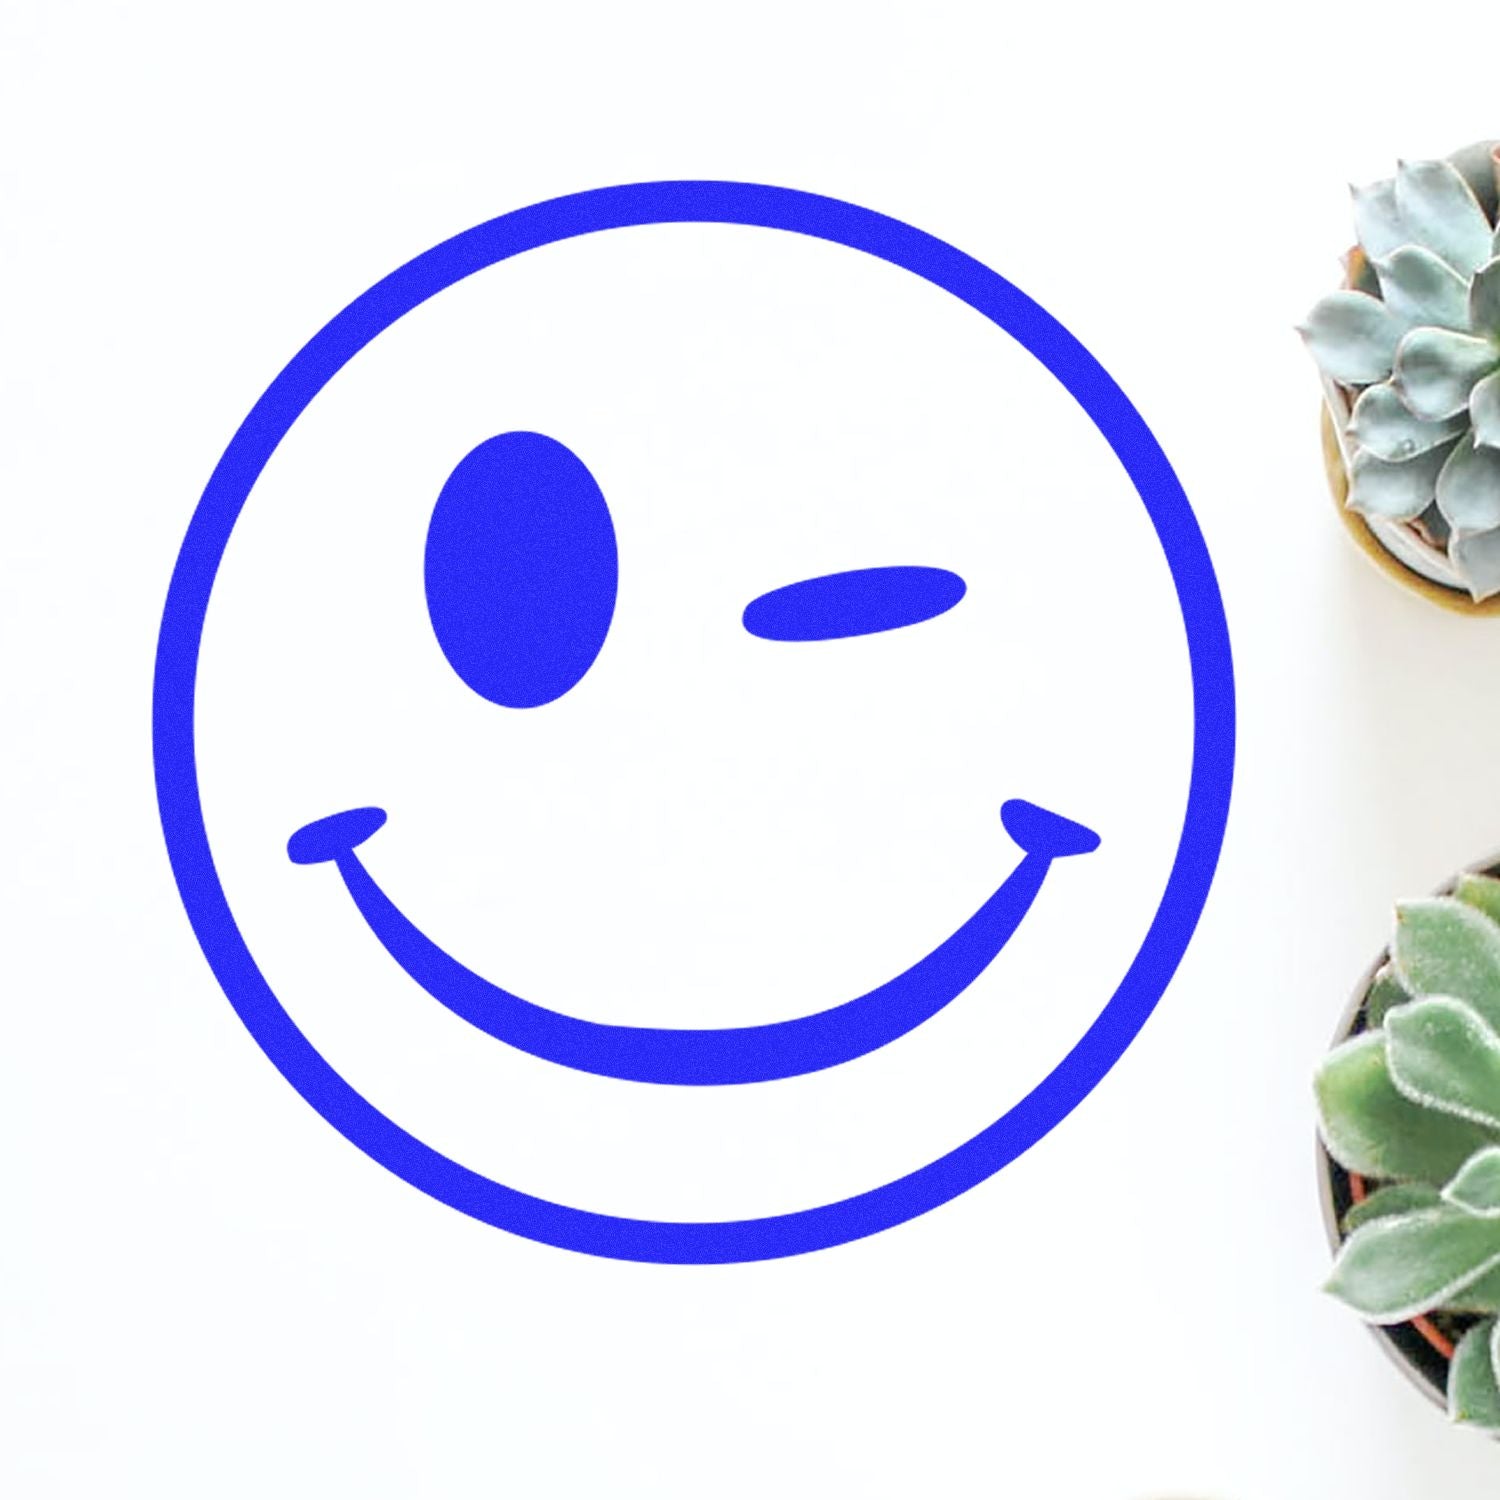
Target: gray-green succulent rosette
1411, 349
1411, 1104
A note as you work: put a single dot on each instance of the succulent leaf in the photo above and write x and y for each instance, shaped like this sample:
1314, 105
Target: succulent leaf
1399, 491
1476, 559
1385, 991
1353, 337
1424, 289
1473, 1392
1377, 220
1442, 1055
1482, 1295
1434, 526
1468, 487
1482, 892
1382, 424
1370, 1127
1440, 211
1476, 164
1444, 947
1484, 410
1482, 310
1398, 1198
1436, 368
1405, 1264
1476, 1184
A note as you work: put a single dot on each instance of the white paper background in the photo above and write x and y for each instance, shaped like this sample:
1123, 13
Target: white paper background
206, 1289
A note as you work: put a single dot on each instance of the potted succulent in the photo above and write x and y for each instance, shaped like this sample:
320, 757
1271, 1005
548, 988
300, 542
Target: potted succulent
1409, 350
1409, 1119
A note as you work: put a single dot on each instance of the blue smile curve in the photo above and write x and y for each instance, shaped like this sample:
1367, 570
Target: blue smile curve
737, 1054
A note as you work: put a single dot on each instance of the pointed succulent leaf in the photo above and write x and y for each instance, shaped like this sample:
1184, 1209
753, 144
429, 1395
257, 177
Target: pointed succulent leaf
1353, 337
1476, 560
1398, 1198
1440, 211
1370, 1127
1442, 1055
1423, 288
1483, 302
1386, 990
1476, 1185
1377, 220
1397, 491
1476, 164
1382, 424
1473, 1392
1484, 410
1468, 487
1443, 947
1436, 368
1433, 527
1482, 892
1405, 1264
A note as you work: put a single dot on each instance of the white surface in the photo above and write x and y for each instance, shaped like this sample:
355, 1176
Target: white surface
212, 1292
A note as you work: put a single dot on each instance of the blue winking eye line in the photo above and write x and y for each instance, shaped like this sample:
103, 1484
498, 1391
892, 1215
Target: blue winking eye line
861, 602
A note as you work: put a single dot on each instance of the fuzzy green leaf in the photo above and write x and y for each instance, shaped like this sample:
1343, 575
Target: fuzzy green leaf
1423, 288
1353, 337
1484, 410
1484, 301
1438, 210
1384, 425
1480, 1296
1385, 991
1398, 1198
1473, 1392
1482, 892
1405, 1264
1436, 369
1370, 1127
1476, 1184
1476, 559
1444, 947
1468, 487
1399, 492
1441, 1054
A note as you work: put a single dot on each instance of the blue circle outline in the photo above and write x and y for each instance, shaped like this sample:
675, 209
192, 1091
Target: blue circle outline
1021, 1126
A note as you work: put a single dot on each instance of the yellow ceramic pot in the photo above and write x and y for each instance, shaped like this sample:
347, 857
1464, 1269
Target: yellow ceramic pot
1456, 599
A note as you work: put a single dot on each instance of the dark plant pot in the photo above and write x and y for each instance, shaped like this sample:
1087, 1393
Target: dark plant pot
1421, 1348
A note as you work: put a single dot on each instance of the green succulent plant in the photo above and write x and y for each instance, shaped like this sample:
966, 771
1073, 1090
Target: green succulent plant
1411, 1102
1415, 341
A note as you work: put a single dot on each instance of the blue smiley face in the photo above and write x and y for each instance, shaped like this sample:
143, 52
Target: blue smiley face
521, 572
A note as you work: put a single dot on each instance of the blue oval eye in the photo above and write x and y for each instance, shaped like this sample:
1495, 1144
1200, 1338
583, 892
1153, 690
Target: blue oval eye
861, 602
521, 569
